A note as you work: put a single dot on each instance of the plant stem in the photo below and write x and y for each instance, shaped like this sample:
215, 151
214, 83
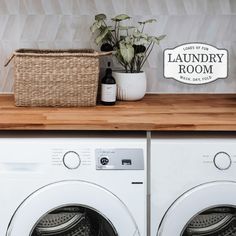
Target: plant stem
122, 63
148, 47
126, 69
138, 64
118, 32
129, 67
115, 31
145, 53
135, 63
143, 28
132, 66
146, 57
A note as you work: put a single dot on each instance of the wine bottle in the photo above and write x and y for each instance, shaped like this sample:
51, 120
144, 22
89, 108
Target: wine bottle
108, 94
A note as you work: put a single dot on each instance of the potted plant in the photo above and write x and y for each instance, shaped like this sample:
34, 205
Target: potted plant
131, 46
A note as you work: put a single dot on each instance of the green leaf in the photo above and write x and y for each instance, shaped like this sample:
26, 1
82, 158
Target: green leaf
150, 21
141, 41
101, 36
161, 37
127, 52
147, 21
121, 27
100, 17
122, 37
121, 17
140, 55
138, 34
96, 25
119, 56
153, 39
128, 40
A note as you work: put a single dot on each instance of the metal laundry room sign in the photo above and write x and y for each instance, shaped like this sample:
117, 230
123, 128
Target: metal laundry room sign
195, 63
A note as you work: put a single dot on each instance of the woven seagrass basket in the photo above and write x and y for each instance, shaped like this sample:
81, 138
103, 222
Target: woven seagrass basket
67, 78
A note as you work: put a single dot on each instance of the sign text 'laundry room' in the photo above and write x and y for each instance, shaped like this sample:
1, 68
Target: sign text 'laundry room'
195, 63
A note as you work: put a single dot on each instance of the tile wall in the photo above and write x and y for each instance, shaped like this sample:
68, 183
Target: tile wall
65, 24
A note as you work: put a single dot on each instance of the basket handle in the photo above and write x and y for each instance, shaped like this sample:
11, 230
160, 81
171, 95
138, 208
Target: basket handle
98, 54
9, 60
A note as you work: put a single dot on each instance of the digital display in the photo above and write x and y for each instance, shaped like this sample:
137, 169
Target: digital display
126, 162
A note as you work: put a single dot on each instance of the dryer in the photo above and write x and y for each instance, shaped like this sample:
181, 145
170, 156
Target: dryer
193, 184
73, 185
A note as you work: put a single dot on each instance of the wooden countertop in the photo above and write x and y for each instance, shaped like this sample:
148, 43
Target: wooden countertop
154, 112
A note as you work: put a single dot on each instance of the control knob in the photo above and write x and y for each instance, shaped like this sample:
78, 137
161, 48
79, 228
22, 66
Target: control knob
222, 161
71, 160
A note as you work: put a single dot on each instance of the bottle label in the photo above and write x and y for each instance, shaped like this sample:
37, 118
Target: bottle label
108, 92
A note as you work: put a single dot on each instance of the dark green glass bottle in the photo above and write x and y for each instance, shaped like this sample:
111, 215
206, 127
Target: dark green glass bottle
108, 94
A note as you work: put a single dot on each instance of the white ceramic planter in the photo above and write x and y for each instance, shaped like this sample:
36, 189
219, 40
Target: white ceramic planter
130, 86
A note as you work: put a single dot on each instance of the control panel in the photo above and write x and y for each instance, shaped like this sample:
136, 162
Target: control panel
119, 159
220, 160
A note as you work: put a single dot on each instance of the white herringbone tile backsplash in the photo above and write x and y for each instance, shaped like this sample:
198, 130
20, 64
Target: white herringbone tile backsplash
65, 24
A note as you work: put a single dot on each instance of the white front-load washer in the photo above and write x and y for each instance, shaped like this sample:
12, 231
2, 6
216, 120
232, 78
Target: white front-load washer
72, 185
193, 184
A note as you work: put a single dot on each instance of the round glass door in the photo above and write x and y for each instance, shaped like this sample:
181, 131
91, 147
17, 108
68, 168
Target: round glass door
72, 208
217, 221
206, 210
73, 221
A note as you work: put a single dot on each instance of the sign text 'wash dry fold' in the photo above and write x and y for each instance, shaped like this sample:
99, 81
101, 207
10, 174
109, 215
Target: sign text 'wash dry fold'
195, 63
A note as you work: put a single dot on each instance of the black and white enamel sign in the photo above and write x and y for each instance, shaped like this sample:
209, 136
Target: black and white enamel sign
195, 63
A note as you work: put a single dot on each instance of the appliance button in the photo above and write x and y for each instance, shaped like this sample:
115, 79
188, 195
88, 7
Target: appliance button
222, 161
71, 160
104, 160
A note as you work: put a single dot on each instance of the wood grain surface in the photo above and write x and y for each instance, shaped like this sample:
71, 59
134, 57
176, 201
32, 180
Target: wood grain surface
155, 112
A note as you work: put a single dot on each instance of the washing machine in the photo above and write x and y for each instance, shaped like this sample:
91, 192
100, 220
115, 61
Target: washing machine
72, 185
193, 184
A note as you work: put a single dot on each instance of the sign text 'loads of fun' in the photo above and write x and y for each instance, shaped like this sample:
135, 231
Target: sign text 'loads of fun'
196, 63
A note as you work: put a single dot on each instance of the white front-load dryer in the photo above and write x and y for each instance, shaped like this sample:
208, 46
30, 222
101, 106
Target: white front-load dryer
193, 185
72, 185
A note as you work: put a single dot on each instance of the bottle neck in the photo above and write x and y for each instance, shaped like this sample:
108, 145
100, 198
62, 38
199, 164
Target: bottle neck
108, 72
